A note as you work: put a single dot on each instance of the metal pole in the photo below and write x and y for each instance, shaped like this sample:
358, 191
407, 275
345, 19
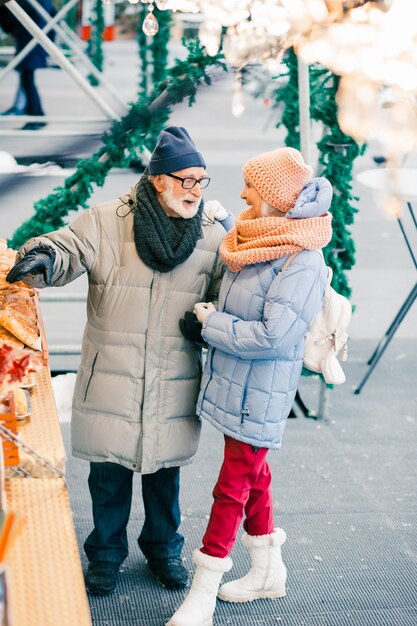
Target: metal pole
305, 146
62, 32
66, 349
304, 109
148, 66
50, 133
66, 119
323, 409
56, 53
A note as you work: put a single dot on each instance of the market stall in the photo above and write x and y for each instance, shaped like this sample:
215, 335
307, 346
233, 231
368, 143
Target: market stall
41, 579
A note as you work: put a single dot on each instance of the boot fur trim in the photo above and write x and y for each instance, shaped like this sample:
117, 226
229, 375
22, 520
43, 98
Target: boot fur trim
277, 538
213, 563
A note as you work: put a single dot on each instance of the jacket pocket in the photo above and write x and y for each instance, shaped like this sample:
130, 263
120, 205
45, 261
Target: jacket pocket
244, 409
111, 382
89, 377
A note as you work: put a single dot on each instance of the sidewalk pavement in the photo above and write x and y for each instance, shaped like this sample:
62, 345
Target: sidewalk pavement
345, 493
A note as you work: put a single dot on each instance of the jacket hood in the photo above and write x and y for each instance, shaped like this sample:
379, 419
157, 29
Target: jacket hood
314, 200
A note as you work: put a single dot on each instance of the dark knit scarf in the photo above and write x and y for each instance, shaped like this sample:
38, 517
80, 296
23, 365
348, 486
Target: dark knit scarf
162, 242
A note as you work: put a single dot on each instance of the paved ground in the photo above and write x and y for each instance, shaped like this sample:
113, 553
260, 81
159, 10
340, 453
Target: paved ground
345, 494
345, 489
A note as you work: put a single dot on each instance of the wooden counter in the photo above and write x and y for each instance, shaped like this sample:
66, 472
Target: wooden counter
45, 581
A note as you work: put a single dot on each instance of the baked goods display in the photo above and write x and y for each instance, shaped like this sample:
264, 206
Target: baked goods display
15, 365
22, 327
19, 337
11, 340
21, 402
28, 381
17, 306
32, 489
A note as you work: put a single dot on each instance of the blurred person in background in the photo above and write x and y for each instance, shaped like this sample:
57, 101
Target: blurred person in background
27, 100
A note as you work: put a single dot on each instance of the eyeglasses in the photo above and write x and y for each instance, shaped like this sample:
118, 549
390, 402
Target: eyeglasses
189, 183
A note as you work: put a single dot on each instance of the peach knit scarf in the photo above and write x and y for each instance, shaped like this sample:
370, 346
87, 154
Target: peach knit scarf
254, 240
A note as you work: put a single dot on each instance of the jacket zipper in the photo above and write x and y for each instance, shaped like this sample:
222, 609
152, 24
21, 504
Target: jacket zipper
213, 349
210, 374
145, 352
228, 291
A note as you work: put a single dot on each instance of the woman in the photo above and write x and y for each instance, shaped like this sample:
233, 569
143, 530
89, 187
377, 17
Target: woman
253, 368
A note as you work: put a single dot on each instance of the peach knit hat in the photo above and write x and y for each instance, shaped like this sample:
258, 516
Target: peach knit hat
279, 176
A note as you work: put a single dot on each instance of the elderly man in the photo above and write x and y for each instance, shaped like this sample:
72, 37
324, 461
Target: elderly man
150, 255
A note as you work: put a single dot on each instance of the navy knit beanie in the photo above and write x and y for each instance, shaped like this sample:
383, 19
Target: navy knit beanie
174, 151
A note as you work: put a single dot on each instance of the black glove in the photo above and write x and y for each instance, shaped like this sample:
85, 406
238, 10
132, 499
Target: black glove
37, 261
191, 328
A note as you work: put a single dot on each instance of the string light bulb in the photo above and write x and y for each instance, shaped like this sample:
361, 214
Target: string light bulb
370, 44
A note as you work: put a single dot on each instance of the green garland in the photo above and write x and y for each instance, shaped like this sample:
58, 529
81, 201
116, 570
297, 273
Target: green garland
95, 43
122, 141
155, 53
337, 155
288, 96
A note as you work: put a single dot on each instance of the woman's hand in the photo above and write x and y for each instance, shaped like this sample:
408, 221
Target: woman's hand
202, 310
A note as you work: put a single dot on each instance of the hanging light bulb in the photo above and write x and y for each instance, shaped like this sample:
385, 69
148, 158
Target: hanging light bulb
133, 1
162, 4
150, 24
357, 99
210, 35
392, 207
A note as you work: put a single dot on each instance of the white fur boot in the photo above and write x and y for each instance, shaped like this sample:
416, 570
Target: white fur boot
267, 576
198, 607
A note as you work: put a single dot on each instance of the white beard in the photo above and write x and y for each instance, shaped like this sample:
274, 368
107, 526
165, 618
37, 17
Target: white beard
176, 205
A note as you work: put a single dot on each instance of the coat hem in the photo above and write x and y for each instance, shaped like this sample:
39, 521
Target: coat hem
239, 437
129, 464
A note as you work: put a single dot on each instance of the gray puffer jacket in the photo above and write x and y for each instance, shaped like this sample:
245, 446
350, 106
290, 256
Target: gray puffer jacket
136, 390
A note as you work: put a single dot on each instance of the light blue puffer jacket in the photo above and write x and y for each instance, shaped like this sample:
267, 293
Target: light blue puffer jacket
257, 337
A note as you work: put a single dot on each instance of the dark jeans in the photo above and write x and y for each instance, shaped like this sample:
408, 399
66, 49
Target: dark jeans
111, 492
33, 101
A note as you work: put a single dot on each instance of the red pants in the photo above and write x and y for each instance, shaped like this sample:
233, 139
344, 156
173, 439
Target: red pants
243, 486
